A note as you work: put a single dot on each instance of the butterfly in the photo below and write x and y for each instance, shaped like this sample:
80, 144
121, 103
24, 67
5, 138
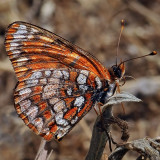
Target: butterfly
58, 82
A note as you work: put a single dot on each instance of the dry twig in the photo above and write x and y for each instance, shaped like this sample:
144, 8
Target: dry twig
42, 153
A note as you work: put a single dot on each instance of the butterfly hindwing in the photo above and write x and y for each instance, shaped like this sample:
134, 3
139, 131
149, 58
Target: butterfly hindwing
51, 102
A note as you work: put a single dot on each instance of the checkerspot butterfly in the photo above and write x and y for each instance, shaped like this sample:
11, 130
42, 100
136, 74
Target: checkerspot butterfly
58, 82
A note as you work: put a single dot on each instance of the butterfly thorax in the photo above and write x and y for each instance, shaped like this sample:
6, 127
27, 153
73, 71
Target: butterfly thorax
109, 85
105, 92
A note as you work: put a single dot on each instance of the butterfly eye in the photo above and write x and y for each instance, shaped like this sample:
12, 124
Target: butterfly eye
117, 71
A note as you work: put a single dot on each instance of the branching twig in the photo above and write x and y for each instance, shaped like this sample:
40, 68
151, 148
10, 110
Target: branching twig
147, 148
100, 134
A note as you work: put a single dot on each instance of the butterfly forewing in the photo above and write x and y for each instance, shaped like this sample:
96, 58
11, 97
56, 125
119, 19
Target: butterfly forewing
56, 80
35, 39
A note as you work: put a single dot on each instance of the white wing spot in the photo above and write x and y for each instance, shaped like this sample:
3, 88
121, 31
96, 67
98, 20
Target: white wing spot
14, 44
18, 37
83, 87
16, 40
21, 30
47, 73
98, 82
32, 112
73, 121
59, 106
16, 52
22, 59
81, 79
45, 130
53, 80
22, 27
12, 48
62, 131
38, 122
33, 30
30, 36
79, 101
62, 122
59, 117
23, 94
43, 81
49, 91
69, 91
25, 104
36, 75
53, 100
85, 72
32, 81
65, 74
26, 91
57, 74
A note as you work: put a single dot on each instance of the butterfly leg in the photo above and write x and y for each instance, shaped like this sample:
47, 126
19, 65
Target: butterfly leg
99, 104
124, 81
122, 105
95, 111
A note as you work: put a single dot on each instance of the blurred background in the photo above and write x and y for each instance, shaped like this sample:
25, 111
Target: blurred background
94, 25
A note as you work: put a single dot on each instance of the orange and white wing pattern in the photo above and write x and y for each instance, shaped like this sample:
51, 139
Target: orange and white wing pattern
58, 83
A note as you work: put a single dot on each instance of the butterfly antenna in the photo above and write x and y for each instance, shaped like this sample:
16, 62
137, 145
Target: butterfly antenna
122, 27
150, 54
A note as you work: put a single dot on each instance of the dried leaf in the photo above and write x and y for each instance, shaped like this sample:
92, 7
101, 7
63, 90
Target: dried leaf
122, 97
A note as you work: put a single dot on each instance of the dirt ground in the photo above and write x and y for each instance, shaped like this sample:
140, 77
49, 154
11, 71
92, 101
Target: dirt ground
94, 25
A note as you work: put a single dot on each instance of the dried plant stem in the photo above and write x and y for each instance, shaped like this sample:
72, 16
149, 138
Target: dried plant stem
42, 153
99, 137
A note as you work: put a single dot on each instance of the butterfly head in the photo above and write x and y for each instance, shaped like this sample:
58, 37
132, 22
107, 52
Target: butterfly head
117, 71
